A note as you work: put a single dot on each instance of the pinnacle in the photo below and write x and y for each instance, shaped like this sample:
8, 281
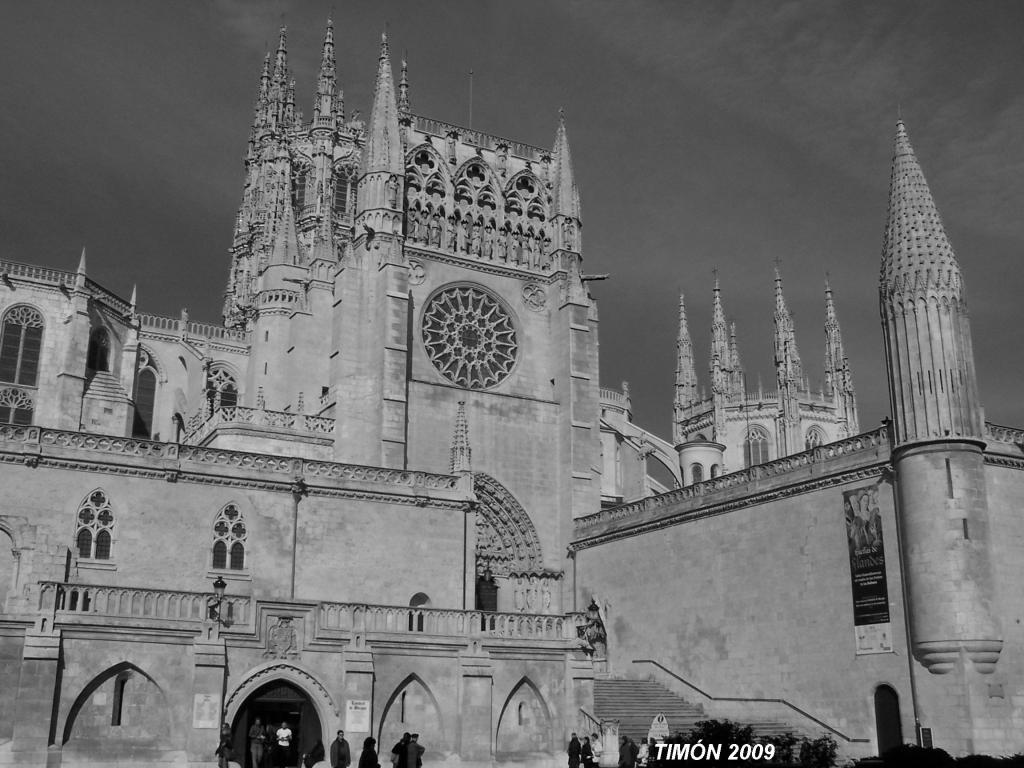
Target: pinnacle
567, 198
915, 249
461, 455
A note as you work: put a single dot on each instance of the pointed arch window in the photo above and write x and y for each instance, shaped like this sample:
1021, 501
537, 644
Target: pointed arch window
221, 389
21, 341
229, 539
97, 357
815, 437
344, 193
755, 446
145, 396
95, 521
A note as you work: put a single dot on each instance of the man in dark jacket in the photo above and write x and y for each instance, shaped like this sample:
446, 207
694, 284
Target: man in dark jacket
574, 752
341, 756
414, 752
625, 759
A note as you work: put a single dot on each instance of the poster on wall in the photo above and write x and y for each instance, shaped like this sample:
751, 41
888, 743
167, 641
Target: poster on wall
357, 715
206, 711
871, 621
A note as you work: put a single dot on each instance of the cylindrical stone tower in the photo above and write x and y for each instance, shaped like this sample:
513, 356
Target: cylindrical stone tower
938, 430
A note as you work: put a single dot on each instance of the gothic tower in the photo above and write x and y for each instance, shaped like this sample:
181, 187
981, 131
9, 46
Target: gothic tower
938, 429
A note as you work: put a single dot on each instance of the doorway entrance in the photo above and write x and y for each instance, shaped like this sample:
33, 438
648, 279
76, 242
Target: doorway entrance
272, 704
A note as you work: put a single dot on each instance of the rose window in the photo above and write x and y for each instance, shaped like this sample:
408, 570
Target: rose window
469, 337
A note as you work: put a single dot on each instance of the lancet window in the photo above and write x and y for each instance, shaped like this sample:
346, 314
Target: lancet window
229, 538
95, 526
21, 340
755, 446
97, 356
344, 192
145, 395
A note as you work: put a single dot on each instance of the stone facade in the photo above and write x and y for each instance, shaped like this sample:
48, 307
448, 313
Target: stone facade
395, 456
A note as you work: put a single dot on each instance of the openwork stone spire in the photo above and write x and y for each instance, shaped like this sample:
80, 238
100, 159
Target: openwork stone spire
720, 356
932, 382
787, 357
461, 455
686, 373
403, 88
324, 105
838, 379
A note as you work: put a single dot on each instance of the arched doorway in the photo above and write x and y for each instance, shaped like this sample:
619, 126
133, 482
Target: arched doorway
273, 703
888, 728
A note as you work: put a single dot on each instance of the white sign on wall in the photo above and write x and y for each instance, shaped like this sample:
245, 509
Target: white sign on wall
206, 711
357, 715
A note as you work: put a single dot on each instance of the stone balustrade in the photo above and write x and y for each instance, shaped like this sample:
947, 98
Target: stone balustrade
199, 428
744, 481
76, 603
182, 327
68, 600
1009, 435
390, 619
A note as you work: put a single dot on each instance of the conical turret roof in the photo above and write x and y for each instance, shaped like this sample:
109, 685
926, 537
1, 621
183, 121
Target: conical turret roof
383, 149
915, 247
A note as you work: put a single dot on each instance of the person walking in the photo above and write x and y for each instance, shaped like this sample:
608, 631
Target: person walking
587, 753
368, 758
574, 751
341, 755
398, 751
257, 743
284, 745
225, 750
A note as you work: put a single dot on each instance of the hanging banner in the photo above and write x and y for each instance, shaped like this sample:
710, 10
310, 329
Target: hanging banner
871, 623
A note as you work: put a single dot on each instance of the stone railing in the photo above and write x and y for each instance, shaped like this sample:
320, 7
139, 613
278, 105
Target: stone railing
815, 457
199, 429
441, 129
68, 600
33, 445
182, 327
64, 277
613, 397
387, 619
1008, 435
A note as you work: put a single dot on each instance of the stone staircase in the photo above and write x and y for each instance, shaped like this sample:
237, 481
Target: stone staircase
635, 703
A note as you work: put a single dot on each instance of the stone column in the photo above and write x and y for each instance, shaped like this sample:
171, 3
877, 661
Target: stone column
208, 679
609, 744
473, 735
35, 728
358, 687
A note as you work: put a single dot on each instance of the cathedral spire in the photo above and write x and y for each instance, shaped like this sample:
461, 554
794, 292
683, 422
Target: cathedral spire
383, 147
461, 455
686, 373
719, 332
403, 87
787, 358
737, 378
838, 380
281, 58
324, 106
566, 195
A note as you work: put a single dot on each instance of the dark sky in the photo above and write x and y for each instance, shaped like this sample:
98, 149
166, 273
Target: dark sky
704, 134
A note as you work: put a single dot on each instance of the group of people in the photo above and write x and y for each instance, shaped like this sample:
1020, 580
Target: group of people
407, 752
587, 753
275, 748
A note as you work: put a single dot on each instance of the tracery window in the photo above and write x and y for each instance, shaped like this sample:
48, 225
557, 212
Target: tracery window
344, 193
145, 396
815, 437
221, 389
229, 537
755, 446
93, 538
98, 355
469, 337
21, 340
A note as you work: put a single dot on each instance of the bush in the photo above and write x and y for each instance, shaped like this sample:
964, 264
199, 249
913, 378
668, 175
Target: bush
911, 756
819, 753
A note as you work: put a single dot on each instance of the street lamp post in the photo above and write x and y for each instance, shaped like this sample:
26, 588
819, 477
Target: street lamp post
216, 602
215, 613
